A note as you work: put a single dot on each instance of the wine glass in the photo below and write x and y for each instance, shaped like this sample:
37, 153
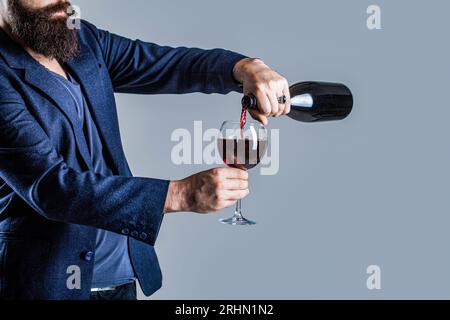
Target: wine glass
241, 148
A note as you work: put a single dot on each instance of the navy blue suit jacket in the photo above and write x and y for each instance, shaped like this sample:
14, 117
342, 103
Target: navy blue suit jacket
51, 202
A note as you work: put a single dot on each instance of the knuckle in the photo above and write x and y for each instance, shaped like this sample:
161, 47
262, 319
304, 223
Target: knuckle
273, 83
260, 87
218, 184
218, 173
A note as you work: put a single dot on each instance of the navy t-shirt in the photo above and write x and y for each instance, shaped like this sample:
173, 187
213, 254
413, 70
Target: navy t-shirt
112, 266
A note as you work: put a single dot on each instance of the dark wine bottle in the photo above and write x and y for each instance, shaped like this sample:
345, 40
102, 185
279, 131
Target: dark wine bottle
314, 101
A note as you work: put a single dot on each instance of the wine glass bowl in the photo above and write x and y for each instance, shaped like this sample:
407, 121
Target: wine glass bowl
241, 148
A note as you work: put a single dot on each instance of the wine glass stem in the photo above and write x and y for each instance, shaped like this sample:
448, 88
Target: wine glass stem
237, 212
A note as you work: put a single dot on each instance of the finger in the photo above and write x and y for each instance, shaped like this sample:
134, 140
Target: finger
233, 173
258, 116
233, 195
273, 102
282, 106
264, 104
228, 203
287, 94
235, 184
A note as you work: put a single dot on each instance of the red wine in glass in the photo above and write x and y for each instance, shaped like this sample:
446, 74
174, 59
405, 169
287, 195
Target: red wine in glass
243, 154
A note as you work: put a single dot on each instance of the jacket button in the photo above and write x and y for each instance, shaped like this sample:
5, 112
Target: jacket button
125, 231
143, 236
87, 255
134, 233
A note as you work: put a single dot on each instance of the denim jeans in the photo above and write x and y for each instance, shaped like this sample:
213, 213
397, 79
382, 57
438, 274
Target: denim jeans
124, 292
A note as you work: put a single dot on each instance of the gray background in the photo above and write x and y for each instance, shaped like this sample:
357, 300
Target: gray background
372, 189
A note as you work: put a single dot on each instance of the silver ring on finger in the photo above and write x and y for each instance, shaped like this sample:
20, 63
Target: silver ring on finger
282, 99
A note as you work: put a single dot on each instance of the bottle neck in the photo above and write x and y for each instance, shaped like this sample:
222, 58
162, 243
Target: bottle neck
249, 102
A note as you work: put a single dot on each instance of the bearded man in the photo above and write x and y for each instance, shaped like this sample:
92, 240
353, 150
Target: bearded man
74, 222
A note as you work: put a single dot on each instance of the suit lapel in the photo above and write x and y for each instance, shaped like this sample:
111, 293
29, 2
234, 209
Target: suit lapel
41, 78
86, 70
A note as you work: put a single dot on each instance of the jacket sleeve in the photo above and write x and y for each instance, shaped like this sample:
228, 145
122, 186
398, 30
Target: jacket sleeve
31, 166
136, 66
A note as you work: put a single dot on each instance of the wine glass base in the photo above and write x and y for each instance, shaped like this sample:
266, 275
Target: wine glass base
237, 221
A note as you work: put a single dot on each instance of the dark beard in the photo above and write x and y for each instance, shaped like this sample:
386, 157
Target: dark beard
47, 36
